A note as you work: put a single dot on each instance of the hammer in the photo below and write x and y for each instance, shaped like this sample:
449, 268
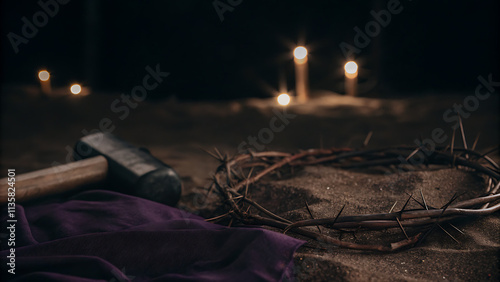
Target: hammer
98, 157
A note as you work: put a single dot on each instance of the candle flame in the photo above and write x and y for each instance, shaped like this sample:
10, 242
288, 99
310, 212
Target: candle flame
283, 99
76, 89
351, 67
44, 75
300, 52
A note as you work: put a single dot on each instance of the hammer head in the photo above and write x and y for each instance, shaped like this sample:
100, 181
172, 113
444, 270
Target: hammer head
135, 168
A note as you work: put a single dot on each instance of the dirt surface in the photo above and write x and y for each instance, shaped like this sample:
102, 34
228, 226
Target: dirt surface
36, 133
327, 189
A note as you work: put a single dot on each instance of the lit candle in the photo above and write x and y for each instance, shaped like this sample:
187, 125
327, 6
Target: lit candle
301, 77
283, 99
44, 77
75, 89
351, 78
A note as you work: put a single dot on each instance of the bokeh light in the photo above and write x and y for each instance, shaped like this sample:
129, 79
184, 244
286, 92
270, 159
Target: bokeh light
300, 52
44, 75
76, 89
283, 99
351, 67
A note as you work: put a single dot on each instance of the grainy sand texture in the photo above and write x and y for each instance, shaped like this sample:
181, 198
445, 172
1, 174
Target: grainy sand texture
178, 132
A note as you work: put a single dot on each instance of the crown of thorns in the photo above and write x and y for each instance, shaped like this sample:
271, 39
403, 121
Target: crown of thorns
233, 180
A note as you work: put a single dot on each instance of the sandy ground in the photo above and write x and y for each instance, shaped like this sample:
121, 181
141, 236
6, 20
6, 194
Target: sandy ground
36, 132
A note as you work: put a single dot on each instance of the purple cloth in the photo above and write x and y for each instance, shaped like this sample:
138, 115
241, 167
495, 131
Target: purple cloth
106, 236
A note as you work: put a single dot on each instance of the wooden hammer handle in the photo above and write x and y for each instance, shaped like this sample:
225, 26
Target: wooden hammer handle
55, 179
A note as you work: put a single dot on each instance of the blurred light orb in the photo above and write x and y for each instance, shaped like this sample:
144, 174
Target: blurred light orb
351, 67
283, 99
44, 75
300, 52
76, 89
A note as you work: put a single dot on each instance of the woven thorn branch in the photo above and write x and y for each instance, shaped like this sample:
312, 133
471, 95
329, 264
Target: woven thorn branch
235, 175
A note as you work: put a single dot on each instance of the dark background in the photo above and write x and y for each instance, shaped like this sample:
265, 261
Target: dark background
440, 47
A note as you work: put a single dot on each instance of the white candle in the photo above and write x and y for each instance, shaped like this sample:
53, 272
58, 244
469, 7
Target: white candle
44, 77
351, 78
301, 76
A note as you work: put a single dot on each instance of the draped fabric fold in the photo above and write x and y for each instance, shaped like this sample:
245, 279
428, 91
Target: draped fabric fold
107, 236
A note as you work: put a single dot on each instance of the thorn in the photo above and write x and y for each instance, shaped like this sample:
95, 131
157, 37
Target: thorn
401, 226
210, 189
211, 154
393, 206
417, 201
448, 233
218, 153
247, 184
437, 220
490, 182
452, 141
463, 136
446, 148
456, 228
337, 217
367, 139
462, 132
407, 201
310, 213
475, 141
412, 154
455, 196
423, 199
